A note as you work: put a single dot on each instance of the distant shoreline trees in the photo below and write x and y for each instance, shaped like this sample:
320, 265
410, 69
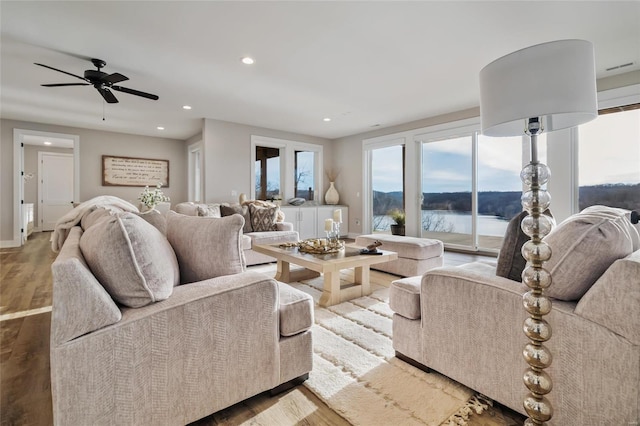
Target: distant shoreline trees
506, 204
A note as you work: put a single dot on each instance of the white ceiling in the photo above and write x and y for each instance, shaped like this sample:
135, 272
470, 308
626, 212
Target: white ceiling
359, 63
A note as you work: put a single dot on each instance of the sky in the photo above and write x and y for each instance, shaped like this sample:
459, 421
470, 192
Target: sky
609, 152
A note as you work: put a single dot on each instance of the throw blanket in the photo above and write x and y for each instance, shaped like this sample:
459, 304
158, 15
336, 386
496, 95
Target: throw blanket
71, 219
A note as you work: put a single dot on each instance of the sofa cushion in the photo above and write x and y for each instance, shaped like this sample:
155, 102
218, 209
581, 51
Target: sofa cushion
208, 210
131, 259
404, 297
407, 247
80, 303
245, 244
242, 211
263, 218
510, 260
613, 212
583, 247
619, 283
296, 310
155, 218
206, 247
273, 237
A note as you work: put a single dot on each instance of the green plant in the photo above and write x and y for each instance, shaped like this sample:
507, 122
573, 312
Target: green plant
398, 216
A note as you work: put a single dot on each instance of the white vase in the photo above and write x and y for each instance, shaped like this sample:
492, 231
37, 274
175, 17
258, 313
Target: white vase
332, 196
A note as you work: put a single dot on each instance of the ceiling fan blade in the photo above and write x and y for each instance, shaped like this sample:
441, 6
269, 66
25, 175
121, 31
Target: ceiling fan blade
107, 95
116, 77
64, 72
135, 92
65, 84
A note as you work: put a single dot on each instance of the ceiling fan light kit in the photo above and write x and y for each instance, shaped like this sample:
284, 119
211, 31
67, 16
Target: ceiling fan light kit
101, 81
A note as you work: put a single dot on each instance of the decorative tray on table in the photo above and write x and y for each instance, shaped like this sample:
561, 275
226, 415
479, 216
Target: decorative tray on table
317, 245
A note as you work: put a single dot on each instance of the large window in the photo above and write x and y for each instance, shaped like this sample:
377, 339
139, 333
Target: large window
609, 160
499, 187
387, 178
304, 174
285, 169
267, 172
447, 190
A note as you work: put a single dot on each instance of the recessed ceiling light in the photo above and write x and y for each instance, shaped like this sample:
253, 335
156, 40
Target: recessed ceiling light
247, 60
186, 106
160, 128
47, 143
326, 119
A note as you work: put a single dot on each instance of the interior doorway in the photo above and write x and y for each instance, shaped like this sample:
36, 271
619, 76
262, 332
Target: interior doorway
34, 141
55, 188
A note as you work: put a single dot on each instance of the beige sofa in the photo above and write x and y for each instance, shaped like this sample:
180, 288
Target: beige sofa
148, 330
466, 322
283, 233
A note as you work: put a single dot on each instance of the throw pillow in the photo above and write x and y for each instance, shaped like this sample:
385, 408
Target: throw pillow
510, 261
583, 247
206, 247
263, 218
208, 210
262, 203
242, 211
155, 218
131, 259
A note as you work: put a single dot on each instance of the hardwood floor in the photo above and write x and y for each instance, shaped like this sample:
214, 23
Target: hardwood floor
25, 390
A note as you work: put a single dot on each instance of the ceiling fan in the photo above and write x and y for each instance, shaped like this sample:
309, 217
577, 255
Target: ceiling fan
102, 81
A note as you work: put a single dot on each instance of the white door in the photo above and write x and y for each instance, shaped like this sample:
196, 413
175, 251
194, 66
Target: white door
55, 187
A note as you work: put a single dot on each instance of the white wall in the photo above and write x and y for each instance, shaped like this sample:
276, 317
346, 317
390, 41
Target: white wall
227, 150
93, 144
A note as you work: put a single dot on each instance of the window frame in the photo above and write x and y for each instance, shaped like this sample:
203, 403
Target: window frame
287, 164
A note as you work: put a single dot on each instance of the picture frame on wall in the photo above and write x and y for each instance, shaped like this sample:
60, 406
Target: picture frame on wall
133, 171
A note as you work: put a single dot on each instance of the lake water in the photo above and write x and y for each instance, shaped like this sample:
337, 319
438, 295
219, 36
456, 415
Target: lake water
459, 222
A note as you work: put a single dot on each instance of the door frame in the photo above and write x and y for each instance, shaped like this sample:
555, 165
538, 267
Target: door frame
18, 180
41, 154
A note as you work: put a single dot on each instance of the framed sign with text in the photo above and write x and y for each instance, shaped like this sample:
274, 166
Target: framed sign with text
130, 171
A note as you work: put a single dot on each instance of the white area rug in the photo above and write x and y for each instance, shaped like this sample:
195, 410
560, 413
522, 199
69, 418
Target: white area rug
356, 373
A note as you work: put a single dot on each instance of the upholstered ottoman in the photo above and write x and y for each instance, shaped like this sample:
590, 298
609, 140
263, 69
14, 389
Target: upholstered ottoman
415, 255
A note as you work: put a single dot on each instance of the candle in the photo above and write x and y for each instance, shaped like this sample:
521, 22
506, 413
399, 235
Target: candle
337, 216
328, 225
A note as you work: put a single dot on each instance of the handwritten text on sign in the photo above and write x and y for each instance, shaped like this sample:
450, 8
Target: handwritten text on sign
127, 171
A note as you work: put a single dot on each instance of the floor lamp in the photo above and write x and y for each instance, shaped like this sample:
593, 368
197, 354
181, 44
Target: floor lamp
548, 86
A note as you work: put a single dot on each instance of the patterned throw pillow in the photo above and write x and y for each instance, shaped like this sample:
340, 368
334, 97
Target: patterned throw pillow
263, 218
242, 211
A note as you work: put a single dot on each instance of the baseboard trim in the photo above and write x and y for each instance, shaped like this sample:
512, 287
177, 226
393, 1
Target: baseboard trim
9, 243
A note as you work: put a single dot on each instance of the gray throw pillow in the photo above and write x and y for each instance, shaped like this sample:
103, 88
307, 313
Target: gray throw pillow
206, 247
583, 247
510, 261
242, 211
132, 260
155, 218
263, 218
